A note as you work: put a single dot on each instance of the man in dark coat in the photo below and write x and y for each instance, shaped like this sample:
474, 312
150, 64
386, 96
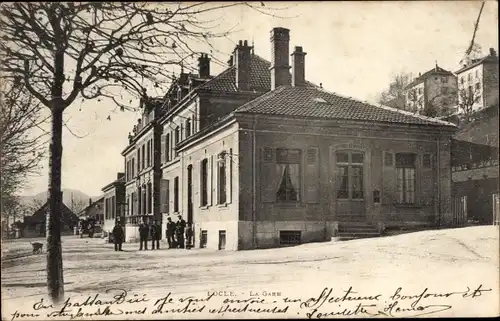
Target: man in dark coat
155, 235
170, 233
181, 226
118, 236
143, 234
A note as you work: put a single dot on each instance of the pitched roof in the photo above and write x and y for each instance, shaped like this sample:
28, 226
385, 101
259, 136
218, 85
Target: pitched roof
39, 216
434, 71
319, 103
477, 62
260, 77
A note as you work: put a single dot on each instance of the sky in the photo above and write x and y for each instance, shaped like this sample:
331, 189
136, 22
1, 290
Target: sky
353, 48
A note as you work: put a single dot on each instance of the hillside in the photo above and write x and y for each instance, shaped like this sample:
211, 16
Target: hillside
80, 199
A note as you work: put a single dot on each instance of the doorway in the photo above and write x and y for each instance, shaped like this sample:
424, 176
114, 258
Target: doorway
349, 185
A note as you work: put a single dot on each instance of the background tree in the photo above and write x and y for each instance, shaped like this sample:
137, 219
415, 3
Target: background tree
22, 145
394, 96
468, 97
114, 50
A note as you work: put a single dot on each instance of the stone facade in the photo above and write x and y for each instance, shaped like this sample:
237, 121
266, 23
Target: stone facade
435, 89
478, 82
114, 201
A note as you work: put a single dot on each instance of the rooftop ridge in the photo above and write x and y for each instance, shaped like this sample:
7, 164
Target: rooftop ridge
404, 112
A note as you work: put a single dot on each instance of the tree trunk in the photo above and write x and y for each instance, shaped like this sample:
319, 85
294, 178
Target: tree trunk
55, 282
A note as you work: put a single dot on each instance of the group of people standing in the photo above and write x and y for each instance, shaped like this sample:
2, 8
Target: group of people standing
179, 234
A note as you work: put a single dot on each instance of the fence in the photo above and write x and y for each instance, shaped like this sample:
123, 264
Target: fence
459, 211
496, 209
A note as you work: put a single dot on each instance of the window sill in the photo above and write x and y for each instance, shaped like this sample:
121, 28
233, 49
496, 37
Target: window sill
204, 207
224, 205
289, 204
407, 205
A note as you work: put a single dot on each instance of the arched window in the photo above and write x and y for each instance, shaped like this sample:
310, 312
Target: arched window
350, 174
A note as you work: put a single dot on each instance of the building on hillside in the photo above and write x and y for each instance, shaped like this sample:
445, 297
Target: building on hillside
433, 93
475, 165
114, 205
478, 82
94, 210
259, 157
35, 225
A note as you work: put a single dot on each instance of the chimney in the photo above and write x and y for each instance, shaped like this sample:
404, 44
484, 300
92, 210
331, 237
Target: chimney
230, 61
493, 52
280, 75
204, 66
90, 201
298, 67
242, 63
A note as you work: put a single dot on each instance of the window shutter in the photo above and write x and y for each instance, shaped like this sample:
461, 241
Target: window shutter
210, 180
388, 179
229, 176
216, 183
197, 188
426, 188
162, 149
267, 175
312, 175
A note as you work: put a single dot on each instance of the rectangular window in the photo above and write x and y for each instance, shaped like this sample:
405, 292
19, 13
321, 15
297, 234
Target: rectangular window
188, 128
138, 159
444, 90
143, 157
148, 163
176, 194
204, 182
177, 138
167, 147
445, 79
288, 169
290, 237
203, 239
406, 178
221, 177
350, 175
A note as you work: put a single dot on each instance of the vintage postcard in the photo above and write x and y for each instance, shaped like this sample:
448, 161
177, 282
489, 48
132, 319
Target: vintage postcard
241, 160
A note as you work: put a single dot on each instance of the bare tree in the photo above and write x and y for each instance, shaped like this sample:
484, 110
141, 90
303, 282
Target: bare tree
468, 97
100, 50
22, 145
394, 96
441, 104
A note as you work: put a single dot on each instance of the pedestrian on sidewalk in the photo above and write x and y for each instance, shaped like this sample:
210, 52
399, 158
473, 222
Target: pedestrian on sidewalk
155, 235
144, 234
170, 233
180, 227
118, 236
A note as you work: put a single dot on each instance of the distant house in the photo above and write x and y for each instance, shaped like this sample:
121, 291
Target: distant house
478, 81
114, 202
35, 225
94, 210
434, 89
